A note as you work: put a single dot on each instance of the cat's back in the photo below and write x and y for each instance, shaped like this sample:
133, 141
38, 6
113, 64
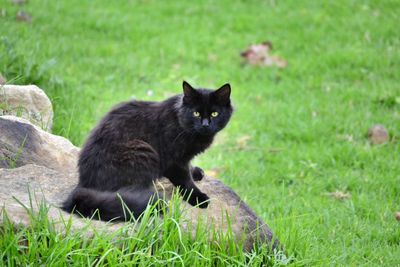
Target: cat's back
141, 113
126, 117
132, 108
144, 108
131, 120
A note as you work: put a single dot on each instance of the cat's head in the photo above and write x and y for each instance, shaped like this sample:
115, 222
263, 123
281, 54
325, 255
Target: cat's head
205, 111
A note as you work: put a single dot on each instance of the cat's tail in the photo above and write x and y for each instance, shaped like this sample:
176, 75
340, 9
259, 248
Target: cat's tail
117, 206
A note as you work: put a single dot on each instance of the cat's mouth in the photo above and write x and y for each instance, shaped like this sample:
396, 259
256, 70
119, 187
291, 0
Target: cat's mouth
205, 131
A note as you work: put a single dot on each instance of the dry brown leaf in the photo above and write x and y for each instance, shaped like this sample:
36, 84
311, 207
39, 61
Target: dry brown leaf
242, 142
378, 134
339, 195
23, 243
398, 216
23, 17
259, 54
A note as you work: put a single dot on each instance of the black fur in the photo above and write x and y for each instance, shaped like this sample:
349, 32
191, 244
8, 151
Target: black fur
138, 142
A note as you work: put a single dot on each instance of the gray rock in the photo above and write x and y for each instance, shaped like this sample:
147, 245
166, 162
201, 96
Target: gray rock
22, 143
27, 101
378, 134
52, 187
53, 175
20, 186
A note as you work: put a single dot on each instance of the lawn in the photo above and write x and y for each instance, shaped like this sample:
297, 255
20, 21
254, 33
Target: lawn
298, 133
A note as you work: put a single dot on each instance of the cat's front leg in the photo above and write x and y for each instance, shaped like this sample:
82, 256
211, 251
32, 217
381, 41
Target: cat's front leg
180, 176
197, 173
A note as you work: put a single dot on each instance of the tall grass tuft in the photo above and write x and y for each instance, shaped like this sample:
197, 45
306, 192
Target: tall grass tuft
157, 238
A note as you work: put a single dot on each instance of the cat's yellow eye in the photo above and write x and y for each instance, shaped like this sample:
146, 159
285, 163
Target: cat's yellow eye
196, 114
214, 114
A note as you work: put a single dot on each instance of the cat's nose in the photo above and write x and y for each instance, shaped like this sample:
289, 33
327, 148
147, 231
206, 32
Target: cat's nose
205, 122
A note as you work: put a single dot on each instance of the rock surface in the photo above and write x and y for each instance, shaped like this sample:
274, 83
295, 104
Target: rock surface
53, 175
378, 134
22, 143
28, 102
53, 187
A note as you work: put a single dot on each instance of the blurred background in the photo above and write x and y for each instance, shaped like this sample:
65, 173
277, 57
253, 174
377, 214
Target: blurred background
309, 78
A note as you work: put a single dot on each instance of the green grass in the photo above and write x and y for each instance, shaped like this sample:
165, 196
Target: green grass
307, 123
153, 241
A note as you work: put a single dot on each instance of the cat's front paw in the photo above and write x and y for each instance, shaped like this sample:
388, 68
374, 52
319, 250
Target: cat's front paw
201, 200
197, 174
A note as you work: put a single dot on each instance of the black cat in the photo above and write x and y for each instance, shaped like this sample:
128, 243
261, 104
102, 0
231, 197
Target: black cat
138, 142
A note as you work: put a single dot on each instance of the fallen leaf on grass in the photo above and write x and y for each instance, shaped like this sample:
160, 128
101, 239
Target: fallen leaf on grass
259, 54
339, 195
398, 216
22, 16
242, 142
23, 243
378, 134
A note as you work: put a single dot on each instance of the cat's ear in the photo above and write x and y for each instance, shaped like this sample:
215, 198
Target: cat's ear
223, 94
189, 93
